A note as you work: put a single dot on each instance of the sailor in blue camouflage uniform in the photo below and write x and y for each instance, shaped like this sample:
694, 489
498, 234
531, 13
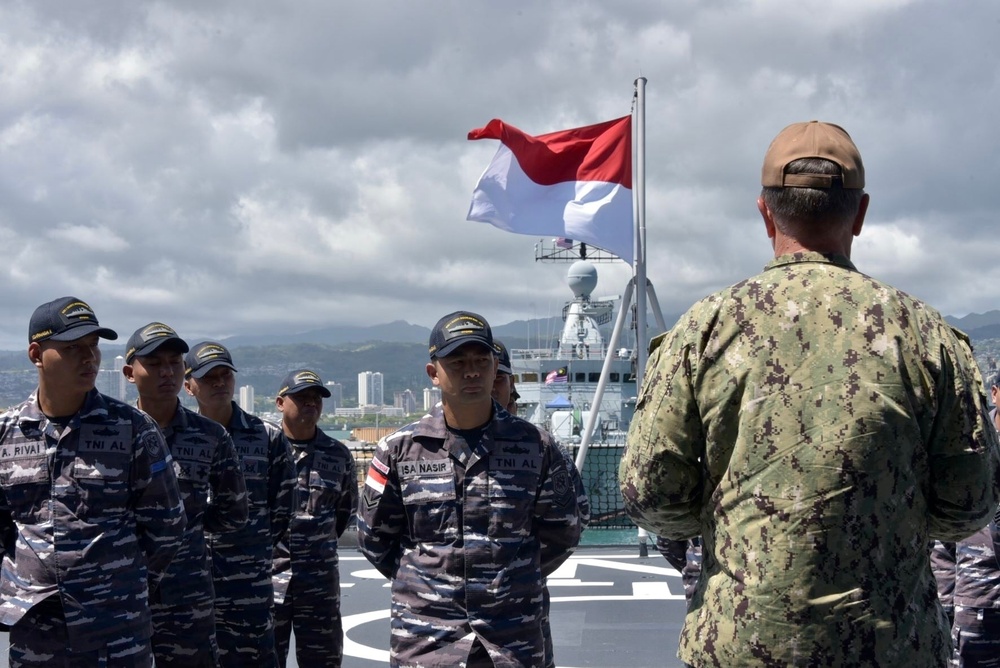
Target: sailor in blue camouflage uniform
212, 489
466, 511
943, 567
89, 503
505, 395
306, 576
241, 560
975, 585
685, 557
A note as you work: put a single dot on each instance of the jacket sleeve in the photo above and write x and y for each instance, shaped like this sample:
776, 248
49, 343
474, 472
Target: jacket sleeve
228, 509
8, 530
156, 500
995, 536
660, 473
381, 516
347, 505
964, 452
562, 509
281, 483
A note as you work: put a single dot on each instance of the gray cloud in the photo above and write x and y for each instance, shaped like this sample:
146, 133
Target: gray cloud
254, 166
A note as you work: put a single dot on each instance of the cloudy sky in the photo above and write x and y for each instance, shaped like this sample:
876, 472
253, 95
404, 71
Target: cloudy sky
243, 166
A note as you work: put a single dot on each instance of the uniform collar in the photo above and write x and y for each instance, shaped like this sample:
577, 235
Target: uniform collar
240, 419
180, 421
30, 418
837, 259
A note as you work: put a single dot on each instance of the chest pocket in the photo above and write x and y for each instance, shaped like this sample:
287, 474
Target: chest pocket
324, 483
514, 476
192, 456
24, 475
427, 488
101, 468
253, 459
103, 454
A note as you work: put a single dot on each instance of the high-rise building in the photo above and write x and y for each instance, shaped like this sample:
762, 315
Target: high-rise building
246, 398
405, 400
432, 395
336, 399
370, 388
107, 382
122, 385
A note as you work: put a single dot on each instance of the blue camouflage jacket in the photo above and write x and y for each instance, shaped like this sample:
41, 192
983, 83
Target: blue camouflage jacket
101, 495
467, 535
215, 499
241, 559
325, 500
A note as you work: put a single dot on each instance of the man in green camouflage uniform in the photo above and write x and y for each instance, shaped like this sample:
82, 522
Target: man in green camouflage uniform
817, 428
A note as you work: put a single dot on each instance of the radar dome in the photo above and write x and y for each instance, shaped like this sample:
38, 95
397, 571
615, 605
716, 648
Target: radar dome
582, 279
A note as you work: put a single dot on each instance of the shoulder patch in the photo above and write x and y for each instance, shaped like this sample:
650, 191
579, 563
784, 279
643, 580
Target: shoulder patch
152, 442
375, 480
561, 489
377, 463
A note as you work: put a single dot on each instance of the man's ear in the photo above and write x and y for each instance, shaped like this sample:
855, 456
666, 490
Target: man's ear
128, 373
35, 353
432, 372
187, 386
859, 219
765, 213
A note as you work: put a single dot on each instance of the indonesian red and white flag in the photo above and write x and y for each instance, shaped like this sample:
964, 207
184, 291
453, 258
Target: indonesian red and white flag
575, 184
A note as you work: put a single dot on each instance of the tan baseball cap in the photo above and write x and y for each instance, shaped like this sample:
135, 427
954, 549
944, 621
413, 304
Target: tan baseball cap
813, 139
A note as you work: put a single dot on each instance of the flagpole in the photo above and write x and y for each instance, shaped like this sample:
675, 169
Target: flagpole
639, 247
639, 261
639, 195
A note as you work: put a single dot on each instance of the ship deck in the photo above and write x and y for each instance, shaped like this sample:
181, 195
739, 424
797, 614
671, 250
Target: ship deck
610, 607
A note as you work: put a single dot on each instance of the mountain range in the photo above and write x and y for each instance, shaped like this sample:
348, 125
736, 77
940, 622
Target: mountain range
978, 326
397, 349
397, 331
520, 333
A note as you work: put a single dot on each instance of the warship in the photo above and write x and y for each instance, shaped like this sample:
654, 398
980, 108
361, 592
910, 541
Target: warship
557, 386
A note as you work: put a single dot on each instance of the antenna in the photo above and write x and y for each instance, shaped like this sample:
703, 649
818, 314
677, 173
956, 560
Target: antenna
568, 250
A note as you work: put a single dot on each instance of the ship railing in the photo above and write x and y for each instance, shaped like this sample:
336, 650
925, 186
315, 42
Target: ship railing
533, 354
600, 478
569, 352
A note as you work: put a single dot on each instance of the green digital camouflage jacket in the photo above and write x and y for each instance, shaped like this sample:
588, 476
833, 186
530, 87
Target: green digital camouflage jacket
817, 428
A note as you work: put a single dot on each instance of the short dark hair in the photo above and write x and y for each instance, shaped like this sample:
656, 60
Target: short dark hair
996, 380
792, 206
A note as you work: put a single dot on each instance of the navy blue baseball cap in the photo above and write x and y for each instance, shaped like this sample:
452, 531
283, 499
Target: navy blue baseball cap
302, 379
148, 338
204, 357
66, 319
456, 329
503, 357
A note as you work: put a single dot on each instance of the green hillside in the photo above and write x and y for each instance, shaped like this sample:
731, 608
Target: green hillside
401, 364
